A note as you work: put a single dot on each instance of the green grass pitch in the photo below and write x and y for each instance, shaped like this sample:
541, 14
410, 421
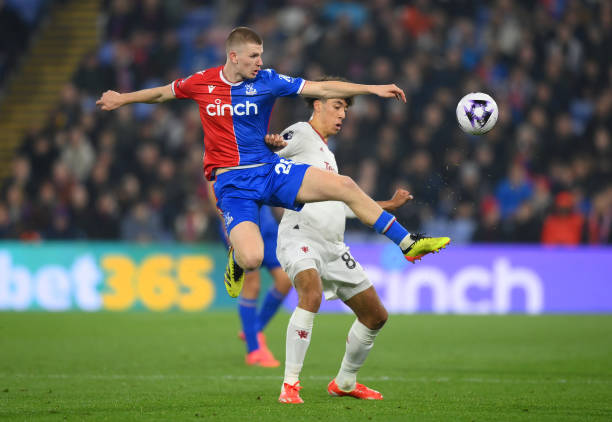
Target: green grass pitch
176, 366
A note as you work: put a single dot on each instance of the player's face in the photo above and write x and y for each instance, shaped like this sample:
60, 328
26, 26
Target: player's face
249, 60
333, 113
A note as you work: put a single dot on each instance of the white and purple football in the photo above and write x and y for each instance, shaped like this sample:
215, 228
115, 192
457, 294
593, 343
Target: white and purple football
477, 113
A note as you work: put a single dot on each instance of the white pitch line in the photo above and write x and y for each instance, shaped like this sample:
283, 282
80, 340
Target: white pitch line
157, 377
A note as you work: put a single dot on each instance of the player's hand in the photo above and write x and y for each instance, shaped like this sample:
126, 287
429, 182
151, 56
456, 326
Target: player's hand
400, 197
110, 100
275, 142
389, 91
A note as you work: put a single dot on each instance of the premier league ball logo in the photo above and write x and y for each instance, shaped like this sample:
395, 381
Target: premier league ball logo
477, 113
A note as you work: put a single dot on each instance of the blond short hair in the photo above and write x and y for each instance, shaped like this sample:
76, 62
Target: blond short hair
241, 35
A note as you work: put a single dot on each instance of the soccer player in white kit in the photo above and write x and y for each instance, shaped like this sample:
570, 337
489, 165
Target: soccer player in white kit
312, 251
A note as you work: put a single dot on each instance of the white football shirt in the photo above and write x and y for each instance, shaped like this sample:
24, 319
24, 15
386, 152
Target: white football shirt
323, 220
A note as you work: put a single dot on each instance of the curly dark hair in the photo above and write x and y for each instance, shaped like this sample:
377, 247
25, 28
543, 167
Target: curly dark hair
310, 100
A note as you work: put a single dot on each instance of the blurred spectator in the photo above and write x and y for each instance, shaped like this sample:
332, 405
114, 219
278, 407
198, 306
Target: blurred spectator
61, 227
513, 191
526, 225
6, 228
490, 224
81, 212
93, 77
78, 155
21, 172
141, 225
600, 218
13, 37
106, 217
191, 225
565, 225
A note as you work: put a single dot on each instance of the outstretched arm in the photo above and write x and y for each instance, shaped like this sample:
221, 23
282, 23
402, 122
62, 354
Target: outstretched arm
111, 100
339, 89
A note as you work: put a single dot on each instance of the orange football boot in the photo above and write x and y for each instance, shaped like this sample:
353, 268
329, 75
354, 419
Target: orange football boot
291, 393
359, 392
261, 357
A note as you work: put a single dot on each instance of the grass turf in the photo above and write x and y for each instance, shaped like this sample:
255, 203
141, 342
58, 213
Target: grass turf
176, 366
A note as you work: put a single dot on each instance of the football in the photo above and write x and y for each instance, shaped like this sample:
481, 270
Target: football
477, 113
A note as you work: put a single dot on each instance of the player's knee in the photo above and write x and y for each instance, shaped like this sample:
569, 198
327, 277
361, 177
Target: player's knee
348, 184
310, 300
383, 316
377, 320
250, 261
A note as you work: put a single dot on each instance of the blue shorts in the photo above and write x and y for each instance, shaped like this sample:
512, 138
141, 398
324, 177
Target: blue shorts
269, 233
241, 192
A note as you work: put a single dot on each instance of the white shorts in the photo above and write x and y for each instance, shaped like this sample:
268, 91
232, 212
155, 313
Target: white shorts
342, 276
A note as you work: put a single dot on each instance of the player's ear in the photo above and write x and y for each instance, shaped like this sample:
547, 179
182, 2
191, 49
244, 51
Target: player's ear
233, 56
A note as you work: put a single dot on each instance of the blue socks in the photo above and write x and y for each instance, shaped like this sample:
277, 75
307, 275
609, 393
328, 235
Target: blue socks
247, 309
272, 301
252, 322
388, 225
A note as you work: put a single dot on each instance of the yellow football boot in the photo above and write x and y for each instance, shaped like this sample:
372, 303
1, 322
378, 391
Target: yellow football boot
422, 245
234, 275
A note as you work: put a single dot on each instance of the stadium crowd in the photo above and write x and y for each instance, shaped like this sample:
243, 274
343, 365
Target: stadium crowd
544, 174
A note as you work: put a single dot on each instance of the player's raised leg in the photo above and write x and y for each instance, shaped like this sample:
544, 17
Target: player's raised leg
321, 185
309, 288
371, 316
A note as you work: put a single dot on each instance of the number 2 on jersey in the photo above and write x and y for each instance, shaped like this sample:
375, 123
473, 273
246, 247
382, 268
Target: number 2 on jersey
284, 166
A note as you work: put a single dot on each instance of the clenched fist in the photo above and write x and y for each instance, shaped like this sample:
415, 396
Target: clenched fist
110, 100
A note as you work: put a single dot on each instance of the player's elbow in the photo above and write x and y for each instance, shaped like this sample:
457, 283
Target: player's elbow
164, 93
316, 90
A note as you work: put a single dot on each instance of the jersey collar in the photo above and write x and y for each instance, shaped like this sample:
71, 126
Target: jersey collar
320, 136
226, 81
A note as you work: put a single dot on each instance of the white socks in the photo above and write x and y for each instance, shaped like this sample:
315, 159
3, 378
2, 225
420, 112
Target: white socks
406, 243
298, 340
358, 344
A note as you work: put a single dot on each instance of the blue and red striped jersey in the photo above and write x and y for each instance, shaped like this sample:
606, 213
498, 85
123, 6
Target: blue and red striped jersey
235, 116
